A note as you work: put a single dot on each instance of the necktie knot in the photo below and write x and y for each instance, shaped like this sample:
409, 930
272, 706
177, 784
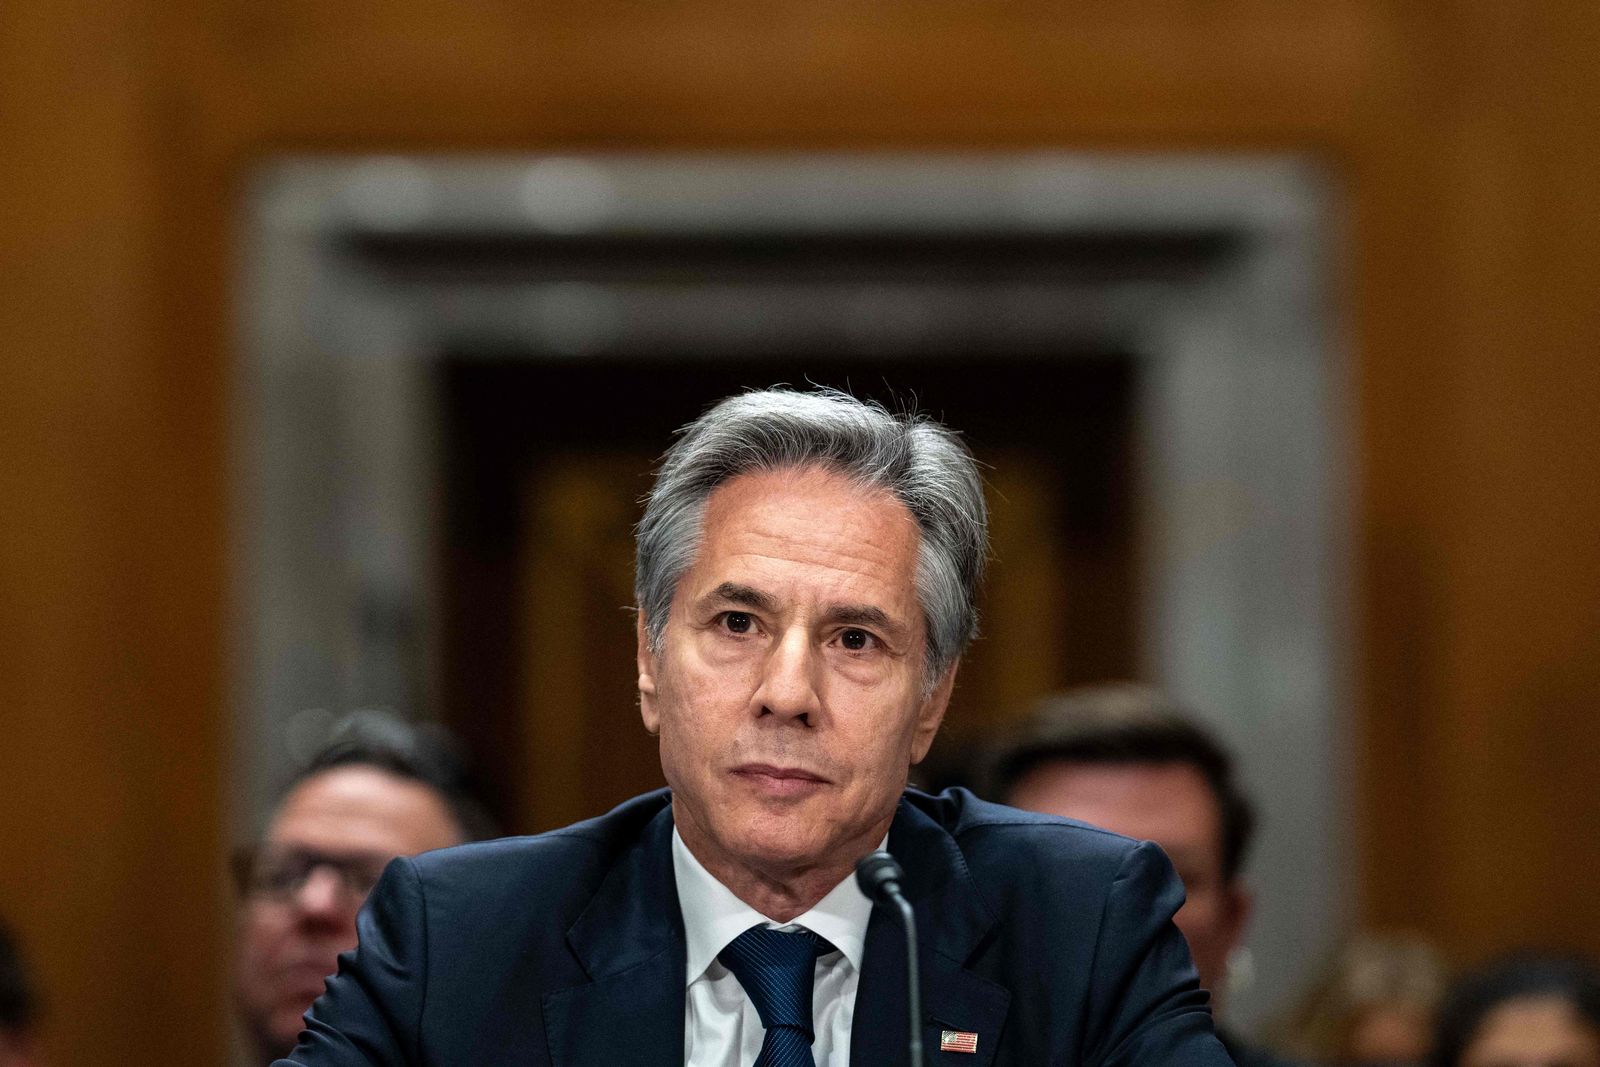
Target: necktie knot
776, 968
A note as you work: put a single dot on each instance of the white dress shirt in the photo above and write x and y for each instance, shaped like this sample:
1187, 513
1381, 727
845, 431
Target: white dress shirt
720, 1025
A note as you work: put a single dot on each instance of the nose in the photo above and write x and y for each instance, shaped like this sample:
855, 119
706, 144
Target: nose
788, 682
324, 895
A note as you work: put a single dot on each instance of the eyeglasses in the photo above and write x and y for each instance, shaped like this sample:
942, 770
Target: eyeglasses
280, 874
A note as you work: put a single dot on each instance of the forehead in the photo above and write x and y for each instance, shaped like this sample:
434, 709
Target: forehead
1169, 803
361, 809
811, 525
1537, 1028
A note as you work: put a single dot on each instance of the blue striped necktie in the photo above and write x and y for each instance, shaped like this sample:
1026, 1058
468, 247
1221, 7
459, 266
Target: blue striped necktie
776, 968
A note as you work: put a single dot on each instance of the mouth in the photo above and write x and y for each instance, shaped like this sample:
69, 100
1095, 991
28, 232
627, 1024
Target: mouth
304, 982
310, 967
779, 782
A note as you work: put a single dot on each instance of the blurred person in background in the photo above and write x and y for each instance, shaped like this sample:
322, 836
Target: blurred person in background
1127, 759
19, 1006
1525, 1010
1375, 1005
379, 788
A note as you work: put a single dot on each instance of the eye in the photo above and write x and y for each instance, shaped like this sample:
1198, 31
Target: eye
856, 640
737, 622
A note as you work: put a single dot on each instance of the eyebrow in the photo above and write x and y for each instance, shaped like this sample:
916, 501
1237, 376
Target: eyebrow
861, 615
734, 593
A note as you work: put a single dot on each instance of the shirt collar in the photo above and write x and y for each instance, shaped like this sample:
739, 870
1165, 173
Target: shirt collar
713, 916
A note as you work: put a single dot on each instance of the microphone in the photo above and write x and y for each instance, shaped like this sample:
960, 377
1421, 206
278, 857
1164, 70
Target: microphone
879, 876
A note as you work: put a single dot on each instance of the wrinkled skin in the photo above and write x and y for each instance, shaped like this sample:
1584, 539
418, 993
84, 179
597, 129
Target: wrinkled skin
789, 692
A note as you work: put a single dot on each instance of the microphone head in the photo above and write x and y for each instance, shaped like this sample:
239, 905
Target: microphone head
879, 876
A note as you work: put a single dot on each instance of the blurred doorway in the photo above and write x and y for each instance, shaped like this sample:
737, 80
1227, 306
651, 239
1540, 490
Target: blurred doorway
457, 372
545, 463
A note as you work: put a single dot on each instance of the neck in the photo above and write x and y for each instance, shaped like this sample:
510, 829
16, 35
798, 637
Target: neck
782, 899
781, 892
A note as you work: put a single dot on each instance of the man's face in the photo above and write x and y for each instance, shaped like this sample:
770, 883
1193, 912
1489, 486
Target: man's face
355, 819
789, 691
1172, 805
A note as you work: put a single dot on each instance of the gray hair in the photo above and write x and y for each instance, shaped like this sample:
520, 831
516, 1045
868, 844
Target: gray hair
922, 463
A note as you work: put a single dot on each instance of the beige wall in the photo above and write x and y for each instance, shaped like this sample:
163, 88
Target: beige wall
1465, 139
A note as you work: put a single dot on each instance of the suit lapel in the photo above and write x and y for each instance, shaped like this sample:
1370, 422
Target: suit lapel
951, 924
630, 941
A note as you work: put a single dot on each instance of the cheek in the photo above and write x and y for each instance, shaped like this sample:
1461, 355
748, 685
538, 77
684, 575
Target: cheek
1198, 917
875, 674
880, 717
261, 941
263, 932
877, 753
702, 695
695, 716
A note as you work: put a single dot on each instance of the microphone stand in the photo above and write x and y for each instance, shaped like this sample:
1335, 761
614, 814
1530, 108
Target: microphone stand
879, 876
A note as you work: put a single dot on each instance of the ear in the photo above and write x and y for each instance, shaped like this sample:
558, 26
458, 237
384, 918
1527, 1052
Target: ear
1239, 903
931, 714
647, 677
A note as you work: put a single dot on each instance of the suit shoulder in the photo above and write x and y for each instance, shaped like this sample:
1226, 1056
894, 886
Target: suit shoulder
994, 836
573, 854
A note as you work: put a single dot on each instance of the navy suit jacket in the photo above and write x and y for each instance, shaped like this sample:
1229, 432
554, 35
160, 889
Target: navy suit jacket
1050, 940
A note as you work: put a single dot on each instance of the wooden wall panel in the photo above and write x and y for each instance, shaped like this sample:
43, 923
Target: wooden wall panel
1461, 131
718, 72
1517, 594
110, 569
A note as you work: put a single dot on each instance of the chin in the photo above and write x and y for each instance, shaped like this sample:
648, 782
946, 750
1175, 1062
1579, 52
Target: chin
288, 1033
774, 848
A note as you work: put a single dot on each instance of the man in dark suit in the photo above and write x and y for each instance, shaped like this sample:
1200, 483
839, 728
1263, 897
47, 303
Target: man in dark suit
807, 568
1128, 758
378, 787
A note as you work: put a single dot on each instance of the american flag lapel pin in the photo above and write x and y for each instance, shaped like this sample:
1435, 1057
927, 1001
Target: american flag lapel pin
957, 1041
